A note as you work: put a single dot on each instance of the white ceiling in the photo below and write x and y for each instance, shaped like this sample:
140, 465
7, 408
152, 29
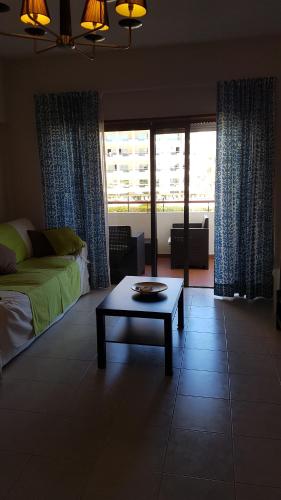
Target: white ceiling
168, 22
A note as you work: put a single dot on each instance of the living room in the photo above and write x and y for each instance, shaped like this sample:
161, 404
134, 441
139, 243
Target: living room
71, 432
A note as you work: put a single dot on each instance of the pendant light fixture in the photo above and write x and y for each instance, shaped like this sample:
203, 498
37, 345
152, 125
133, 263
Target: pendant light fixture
35, 15
131, 8
35, 12
95, 15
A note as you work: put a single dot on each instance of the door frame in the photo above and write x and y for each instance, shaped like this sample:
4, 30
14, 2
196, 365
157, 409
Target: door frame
162, 125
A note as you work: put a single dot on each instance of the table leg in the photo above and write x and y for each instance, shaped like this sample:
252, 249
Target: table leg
168, 346
181, 311
101, 344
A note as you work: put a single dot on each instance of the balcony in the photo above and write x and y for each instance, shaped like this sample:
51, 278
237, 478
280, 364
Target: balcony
168, 212
137, 215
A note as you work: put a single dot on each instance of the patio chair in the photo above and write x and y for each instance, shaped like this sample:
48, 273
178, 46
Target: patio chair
126, 253
198, 245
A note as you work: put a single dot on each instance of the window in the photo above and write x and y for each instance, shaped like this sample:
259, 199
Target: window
142, 151
141, 135
124, 168
128, 165
143, 168
175, 168
111, 168
125, 183
174, 182
143, 182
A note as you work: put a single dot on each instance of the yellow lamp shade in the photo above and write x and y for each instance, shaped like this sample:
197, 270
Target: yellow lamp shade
95, 15
34, 12
131, 8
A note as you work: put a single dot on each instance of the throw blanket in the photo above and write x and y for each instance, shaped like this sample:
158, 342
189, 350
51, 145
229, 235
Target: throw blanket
51, 283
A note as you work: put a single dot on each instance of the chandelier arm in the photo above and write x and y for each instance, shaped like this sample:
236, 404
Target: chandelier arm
89, 32
26, 37
110, 45
82, 53
40, 51
45, 28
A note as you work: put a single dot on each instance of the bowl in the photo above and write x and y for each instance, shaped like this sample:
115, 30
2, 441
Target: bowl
149, 287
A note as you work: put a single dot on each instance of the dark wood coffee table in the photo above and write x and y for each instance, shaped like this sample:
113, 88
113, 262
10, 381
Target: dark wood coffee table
126, 303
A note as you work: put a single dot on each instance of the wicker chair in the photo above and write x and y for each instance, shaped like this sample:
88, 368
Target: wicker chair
126, 253
198, 245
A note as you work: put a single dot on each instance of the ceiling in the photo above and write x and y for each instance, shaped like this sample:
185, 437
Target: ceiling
168, 22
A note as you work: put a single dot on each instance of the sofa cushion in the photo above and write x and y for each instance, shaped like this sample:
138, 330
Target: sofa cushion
64, 241
40, 244
11, 239
14, 235
7, 260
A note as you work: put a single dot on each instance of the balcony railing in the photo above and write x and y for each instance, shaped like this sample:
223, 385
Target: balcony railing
162, 205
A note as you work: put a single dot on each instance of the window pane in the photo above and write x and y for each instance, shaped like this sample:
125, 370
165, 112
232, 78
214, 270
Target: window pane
128, 172
202, 168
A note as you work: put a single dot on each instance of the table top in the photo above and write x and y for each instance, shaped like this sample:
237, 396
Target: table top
124, 300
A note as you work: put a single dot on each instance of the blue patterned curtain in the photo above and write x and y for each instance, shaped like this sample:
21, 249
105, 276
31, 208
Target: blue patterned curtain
243, 217
72, 174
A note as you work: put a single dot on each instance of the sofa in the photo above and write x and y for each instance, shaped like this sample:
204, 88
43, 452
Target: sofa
198, 250
38, 292
126, 253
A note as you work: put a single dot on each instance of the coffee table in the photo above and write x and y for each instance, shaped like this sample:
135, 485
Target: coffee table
126, 303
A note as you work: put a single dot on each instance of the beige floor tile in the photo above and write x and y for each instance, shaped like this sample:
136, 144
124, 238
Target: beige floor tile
20, 430
256, 419
50, 478
123, 485
207, 325
196, 340
200, 454
206, 312
74, 437
203, 383
251, 364
249, 492
12, 466
183, 488
255, 388
134, 451
36, 396
206, 300
257, 461
60, 371
202, 414
205, 359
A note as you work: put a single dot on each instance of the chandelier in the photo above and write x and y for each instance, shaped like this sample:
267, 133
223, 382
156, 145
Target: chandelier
95, 20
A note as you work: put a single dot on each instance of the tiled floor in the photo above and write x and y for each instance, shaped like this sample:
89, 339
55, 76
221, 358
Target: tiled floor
212, 431
197, 277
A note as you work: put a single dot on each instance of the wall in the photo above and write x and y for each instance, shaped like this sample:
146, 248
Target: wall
166, 81
2, 149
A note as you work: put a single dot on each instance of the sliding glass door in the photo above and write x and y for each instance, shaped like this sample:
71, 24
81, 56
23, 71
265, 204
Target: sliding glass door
202, 167
170, 166
160, 182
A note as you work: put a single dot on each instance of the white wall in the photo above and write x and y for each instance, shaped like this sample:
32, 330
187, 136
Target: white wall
166, 81
140, 222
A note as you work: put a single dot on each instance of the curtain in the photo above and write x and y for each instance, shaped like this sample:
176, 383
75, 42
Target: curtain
72, 174
243, 216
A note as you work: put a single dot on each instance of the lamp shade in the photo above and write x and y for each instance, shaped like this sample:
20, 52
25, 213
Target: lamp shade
131, 8
37, 10
95, 15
